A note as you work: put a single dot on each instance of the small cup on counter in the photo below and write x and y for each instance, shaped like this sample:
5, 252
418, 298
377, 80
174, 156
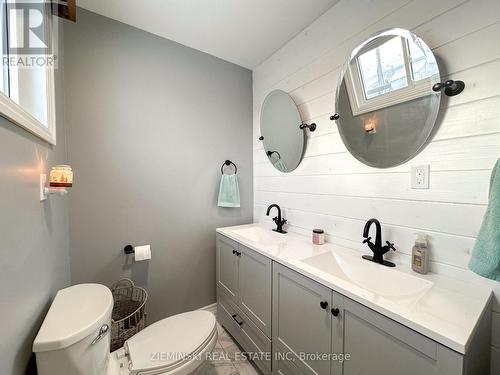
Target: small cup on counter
318, 236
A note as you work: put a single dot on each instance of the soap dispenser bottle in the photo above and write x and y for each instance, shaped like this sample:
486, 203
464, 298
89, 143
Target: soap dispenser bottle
420, 255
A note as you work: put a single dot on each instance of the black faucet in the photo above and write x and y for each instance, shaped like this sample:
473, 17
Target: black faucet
377, 248
278, 220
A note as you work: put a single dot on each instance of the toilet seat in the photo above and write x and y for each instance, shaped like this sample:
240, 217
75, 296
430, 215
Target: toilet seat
175, 345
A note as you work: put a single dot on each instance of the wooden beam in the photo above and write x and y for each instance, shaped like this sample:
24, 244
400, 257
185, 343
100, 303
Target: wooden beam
65, 9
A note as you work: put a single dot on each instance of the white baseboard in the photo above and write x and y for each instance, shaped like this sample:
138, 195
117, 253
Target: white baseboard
212, 308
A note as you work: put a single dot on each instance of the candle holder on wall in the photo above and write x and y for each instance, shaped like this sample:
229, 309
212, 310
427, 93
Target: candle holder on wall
61, 178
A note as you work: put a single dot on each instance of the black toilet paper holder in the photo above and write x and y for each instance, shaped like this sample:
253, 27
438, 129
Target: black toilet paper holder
129, 249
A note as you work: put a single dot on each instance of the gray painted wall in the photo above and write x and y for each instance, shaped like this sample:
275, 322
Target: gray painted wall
149, 124
33, 239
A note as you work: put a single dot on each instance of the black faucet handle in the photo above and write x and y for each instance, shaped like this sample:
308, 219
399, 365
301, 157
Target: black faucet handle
284, 221
367, 240
390, 246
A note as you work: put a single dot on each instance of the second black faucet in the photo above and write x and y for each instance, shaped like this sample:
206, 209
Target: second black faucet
377, 248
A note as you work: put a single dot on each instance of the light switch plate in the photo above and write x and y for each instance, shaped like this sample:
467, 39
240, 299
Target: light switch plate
420, 177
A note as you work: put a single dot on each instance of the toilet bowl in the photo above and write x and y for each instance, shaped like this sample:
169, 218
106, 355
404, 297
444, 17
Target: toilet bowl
74, 339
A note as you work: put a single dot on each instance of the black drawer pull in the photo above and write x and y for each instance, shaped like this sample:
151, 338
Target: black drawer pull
335, 312
323, 305
236, 320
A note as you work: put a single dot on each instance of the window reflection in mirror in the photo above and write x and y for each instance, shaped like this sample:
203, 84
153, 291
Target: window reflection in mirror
387, 71
383, 69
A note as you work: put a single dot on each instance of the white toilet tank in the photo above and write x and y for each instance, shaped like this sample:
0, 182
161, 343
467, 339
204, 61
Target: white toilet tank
74, 339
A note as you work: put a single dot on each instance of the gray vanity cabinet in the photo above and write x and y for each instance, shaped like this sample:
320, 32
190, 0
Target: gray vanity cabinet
316, 331
302, 322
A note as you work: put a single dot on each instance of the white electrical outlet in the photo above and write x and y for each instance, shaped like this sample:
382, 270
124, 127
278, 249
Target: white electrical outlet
420, 177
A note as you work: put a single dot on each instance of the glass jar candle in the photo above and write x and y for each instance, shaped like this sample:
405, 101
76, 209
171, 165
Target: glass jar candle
61, 176
318, 236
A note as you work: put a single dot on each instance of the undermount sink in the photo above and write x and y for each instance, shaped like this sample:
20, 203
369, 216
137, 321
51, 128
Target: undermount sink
369, 276
261, 235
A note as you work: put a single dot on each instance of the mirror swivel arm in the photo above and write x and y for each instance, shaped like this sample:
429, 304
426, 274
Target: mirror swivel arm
311, 127
451, 87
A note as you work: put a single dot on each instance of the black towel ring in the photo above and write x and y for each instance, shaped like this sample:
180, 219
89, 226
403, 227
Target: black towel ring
228, 163
270, 153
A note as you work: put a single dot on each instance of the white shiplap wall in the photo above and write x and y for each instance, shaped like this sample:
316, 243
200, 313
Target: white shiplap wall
332, 190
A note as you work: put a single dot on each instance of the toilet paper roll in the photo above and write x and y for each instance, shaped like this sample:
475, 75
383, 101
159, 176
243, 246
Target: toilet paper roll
142, 253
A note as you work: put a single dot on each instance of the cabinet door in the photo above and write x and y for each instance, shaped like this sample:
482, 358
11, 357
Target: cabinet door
255, 288
227, 266
301, 320
379, 345
338, 356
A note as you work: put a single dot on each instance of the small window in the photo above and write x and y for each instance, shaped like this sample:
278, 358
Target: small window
28, 63
388, 71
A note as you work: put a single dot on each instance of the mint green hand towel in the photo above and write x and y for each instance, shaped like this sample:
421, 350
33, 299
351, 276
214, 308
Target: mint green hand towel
485, 260
229, 191
280, 165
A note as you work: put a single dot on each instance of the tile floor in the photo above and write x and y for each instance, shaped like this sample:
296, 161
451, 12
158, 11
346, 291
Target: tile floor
225, 361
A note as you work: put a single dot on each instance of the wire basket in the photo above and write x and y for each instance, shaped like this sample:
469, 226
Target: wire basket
128, 316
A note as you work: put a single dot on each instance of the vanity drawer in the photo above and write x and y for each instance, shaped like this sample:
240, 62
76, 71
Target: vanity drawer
390, 328
284, 367
246, 333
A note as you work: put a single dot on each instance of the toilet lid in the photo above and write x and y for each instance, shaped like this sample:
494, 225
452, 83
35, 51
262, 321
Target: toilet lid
170, 342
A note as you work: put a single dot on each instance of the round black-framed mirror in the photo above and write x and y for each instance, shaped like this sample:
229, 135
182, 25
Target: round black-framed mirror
387, 108
281, 133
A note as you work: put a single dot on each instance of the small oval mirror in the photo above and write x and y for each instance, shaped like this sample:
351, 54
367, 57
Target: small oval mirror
385, 99
281, 135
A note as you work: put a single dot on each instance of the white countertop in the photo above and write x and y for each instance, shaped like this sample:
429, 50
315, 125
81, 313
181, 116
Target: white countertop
446, 310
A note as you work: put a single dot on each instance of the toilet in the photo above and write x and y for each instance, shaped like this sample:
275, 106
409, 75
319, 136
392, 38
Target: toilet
74, 339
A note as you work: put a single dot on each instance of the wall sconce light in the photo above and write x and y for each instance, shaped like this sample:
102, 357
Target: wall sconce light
61, 177
370, 127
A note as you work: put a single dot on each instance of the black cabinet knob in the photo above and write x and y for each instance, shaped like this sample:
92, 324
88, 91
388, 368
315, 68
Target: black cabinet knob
323, 305
238, 253
335, 312
234, 252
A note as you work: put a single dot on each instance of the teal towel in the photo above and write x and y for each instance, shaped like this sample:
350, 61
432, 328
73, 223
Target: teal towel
280, 165
229, 191
485, 260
